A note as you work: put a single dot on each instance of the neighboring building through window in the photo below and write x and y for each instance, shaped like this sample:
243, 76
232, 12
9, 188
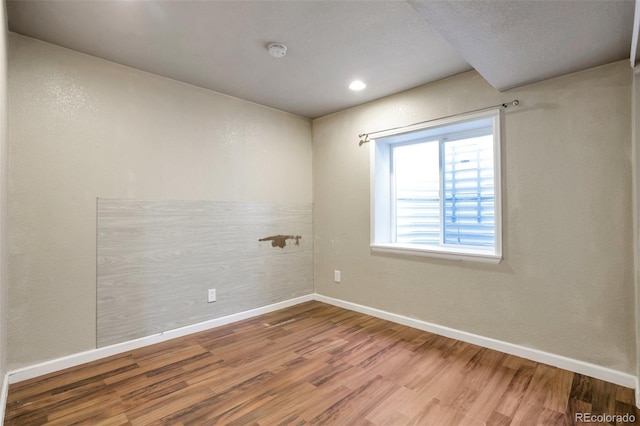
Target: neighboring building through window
436, 189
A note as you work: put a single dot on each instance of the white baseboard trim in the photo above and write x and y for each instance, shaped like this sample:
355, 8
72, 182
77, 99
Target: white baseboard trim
581, 367
3, 396
58, 364
574, 365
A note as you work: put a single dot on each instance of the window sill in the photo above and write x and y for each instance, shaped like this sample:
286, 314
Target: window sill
439, 253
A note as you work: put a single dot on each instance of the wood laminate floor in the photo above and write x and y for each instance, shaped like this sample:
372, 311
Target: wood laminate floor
314, 364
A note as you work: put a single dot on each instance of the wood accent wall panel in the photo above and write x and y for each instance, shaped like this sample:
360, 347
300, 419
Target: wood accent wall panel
157, 259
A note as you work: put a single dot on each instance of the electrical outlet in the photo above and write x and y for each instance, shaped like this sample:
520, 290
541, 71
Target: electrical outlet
336, 276
212, 295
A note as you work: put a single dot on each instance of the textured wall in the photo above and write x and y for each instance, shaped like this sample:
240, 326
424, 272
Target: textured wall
4, 279
636, 212
157, 259
566, 282
82, 128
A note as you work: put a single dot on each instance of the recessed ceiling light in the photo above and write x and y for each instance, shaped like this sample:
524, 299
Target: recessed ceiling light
357, 85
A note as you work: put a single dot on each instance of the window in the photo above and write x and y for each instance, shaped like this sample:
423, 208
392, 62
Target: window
436, 189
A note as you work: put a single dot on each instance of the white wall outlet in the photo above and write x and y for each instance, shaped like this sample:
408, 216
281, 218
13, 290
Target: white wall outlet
212, 295
336, 276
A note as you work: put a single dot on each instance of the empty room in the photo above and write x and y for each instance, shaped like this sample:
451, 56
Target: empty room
415, 212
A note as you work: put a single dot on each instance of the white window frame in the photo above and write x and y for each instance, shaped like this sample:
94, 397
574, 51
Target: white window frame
382, 217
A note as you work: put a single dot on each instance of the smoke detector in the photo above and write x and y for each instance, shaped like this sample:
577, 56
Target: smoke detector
277, 50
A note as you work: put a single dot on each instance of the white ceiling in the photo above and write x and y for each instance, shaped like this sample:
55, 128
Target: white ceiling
512, 43
391, 45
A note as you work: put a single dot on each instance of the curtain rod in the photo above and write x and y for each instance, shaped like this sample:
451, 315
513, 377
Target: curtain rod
505, 105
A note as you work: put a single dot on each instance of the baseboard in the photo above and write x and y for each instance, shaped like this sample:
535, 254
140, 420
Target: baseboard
3, 396
576, 366
58, 364
581, 367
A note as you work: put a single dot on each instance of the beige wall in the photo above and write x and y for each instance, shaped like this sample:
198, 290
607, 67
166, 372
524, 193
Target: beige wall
4, 281
82, 128
636, 213
566, 282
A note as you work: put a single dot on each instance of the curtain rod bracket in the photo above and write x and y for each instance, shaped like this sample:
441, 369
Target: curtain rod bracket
514, 102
